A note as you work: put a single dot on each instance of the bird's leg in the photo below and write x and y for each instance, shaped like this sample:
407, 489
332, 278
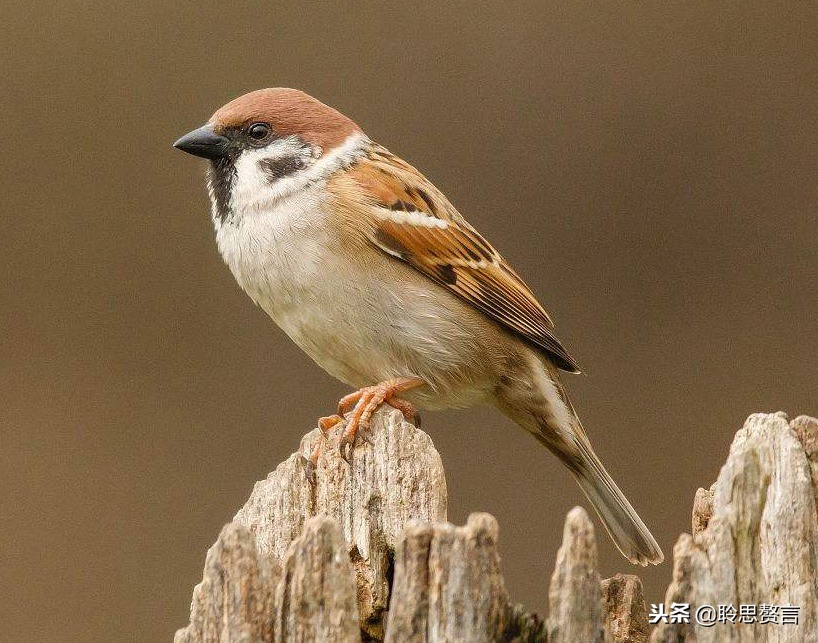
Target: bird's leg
311, 463
366, 401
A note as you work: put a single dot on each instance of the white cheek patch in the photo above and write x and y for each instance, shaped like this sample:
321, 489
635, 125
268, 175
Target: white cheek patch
254, 192
252, 181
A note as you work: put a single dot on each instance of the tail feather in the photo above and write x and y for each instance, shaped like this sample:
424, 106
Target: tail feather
629, 533
571, 445
538, 402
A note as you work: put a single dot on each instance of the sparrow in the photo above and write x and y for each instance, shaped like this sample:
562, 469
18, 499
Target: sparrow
374, 274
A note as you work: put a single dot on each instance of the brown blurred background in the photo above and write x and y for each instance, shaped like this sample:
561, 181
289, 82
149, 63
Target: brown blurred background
650, 172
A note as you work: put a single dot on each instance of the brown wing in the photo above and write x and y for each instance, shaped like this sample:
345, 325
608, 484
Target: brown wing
414, 222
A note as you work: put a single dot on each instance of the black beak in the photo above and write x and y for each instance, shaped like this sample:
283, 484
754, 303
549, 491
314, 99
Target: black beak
203, 142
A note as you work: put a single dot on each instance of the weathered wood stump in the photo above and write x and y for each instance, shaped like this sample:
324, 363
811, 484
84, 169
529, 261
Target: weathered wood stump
367, 555
755, 537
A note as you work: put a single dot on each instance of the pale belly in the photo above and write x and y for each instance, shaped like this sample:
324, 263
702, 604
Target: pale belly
361, 323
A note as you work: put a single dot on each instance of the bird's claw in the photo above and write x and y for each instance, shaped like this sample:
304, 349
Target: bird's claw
345, 446
410, 413
348, 402
326, 423
364, 402
311, 463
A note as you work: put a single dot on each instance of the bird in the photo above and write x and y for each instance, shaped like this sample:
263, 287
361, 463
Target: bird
377, 277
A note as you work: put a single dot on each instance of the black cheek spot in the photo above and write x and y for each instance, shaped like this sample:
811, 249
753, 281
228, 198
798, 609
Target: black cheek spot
279, 168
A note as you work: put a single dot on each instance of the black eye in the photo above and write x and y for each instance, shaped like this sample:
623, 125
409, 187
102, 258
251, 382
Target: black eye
258, 132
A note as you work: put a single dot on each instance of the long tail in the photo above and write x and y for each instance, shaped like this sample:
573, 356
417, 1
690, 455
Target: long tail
629, 533
563, 434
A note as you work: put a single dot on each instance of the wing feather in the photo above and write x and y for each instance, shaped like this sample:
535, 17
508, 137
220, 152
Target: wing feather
414, 222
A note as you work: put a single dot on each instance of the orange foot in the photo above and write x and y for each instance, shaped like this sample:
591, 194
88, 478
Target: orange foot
311, 463
367, 400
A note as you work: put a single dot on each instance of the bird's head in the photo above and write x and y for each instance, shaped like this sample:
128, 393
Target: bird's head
259, 144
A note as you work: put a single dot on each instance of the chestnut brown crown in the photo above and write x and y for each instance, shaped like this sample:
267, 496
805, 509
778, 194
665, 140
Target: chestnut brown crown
288, 112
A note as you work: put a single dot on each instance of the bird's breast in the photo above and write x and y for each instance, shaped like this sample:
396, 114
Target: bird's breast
286, 259
363, 321
274, 254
